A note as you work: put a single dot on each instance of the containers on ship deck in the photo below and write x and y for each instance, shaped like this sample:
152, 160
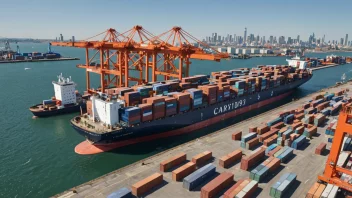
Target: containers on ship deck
171, 106
210, 91
145, 91
132, 98
196, 96
160, 89
158, 104
146, 112
183, 101
130, 115
122, 90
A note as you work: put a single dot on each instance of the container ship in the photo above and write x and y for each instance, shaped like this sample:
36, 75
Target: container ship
124, 116
66, 100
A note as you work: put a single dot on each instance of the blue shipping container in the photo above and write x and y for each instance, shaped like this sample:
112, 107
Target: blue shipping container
198, 177
248, 137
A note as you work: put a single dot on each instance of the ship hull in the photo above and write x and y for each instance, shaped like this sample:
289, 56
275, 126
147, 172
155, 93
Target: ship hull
48, 113
181, 123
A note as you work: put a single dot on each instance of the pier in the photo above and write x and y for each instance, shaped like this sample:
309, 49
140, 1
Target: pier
305, 163
39, 60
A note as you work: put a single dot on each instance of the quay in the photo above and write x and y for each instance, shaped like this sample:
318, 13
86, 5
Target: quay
39, 60
304, 162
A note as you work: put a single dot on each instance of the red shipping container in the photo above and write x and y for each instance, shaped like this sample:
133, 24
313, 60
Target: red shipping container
252, 143
146, 184
268, 135
294, 136
237, 135
278, 125
253, 159
230, 158
232, 192
274, 164
281, 131
215, 186
270, 141
299, 116
296, 125
183, 171
130, 100
183, 99
253, 129
146, 112
320, 149
202, 158
172, 162
263, 129
170, 101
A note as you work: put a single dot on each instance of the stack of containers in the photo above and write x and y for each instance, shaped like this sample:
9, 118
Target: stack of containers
183, 101
197, 97
316, 102
145, 91
319, 119
239, 88
247, 138
258, 83
185, 86
253, 159
220, 94
328, 96
286, 154
280, 187
269, 165
49, 103
210, 92
122, 90
264, 84
173, 86
132, 98
274, 121
158, 104
171, 106
310, 131
243, 188
226, 91
270, 148
326, 111
250, 85
330, 130
146, 112
193, 80
288, 119
160, 89
202, 79
131, 115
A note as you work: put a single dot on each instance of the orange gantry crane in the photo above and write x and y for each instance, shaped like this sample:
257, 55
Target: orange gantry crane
332, 172
138, 55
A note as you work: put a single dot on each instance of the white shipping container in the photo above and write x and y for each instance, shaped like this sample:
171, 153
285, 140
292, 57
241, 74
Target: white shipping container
246, 51
239, 51
231, 50
342, 158
327, 190
333, 192
221, 49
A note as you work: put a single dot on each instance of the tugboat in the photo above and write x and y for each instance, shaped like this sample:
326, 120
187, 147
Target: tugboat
66, 100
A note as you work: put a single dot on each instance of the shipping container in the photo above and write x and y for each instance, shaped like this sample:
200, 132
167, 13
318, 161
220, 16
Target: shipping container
183, 171
145, 185
253, 159
202, 158
196, 96
237, 135
268, 134
215, 186
172, 162
312, 190
235, 189
262, 129
183, 101
320, 149
199, 176
230, 158
158, 104
146, 112
270, 141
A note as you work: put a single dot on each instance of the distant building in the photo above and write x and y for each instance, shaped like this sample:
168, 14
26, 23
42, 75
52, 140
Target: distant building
282, 40
61, 37
245, 35
341, 41
346, 39
73, 38
271, 39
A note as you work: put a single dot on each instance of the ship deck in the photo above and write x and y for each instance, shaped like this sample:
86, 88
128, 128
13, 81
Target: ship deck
89, 125
305, 163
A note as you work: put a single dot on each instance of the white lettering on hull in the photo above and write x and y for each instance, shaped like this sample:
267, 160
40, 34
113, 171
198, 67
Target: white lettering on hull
229, 107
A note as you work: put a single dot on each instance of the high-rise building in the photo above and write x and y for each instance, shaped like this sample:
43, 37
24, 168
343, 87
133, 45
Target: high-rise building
289, 40
215, 37
61, 37
264, 40
245, 35
271, 39
73, 38
282, 40
298, 38
346, 39
341, 41
322, 41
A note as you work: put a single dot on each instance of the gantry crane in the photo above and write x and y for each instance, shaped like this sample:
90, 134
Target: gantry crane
138, 51
332, 172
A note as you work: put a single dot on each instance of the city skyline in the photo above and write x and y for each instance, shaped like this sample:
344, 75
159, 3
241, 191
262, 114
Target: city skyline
200, 18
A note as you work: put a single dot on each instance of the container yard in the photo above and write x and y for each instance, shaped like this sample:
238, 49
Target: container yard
295, 139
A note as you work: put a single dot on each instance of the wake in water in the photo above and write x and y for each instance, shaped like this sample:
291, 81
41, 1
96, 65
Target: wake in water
27, 161
27, 68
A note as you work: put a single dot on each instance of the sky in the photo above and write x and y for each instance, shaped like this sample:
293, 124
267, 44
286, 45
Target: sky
85, 18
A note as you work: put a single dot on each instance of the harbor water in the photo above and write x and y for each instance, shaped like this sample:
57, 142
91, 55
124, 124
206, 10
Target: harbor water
37, 155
